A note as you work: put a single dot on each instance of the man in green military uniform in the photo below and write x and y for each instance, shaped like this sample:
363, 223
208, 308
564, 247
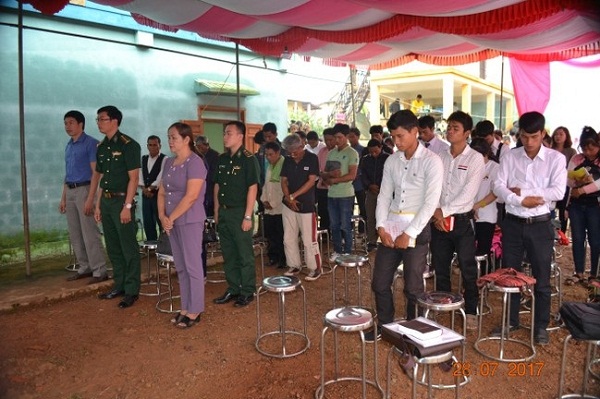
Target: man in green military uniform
117, 170
236, 185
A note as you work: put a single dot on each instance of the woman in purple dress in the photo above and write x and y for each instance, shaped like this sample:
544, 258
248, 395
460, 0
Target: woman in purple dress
181, 212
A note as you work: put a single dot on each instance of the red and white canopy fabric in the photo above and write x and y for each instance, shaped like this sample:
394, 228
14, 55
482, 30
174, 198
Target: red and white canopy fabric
381, 33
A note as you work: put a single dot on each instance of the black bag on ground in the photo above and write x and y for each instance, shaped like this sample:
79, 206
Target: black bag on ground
582, 319
164, 245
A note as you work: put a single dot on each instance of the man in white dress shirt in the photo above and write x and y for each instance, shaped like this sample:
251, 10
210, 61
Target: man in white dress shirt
464, 170
428, 136
409, 192
529, 180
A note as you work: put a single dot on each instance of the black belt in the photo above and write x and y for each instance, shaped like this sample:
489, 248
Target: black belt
111, 194
75, 185
463, 216
228, 206
529, 220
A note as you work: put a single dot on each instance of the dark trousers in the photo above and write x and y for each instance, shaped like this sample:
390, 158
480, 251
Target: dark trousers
537, 240
585, 221
484, 234
121, 246
238, 252
322, 209
362, 209
386, 263
443, 246
150, 216
274, 233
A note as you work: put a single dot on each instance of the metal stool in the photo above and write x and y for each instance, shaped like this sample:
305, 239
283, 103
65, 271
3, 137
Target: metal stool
214, 273
281, 285
166, 262
506, 291
148, 247
483, 259
73, 266
349, 320
557, 292
589, 362
348, 261
323, 236
436, 358
359, 240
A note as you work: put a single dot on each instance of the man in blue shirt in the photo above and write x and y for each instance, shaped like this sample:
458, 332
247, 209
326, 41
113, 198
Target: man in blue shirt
77, 200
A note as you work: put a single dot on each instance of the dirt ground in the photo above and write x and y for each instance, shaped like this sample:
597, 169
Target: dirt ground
84, 348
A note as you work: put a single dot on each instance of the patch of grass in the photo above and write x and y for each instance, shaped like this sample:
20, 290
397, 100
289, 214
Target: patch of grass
43, 244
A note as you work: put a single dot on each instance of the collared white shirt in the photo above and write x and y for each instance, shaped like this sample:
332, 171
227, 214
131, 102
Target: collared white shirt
151, 162
411, 186
488, 213
503, 150
272, 193
317, 149
462, 177
436, 145
545, 176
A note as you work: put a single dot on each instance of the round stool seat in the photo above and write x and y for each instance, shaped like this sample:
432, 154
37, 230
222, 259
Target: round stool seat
441, 301
281, 283
351, 260
165, 258
149, 245
349, 319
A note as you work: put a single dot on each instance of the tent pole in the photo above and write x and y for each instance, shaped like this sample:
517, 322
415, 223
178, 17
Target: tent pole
352, 76
500, 123
237, 79
24, 197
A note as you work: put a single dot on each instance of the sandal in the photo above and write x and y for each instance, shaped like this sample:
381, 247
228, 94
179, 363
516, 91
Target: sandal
574, 279
186, 322
178, 317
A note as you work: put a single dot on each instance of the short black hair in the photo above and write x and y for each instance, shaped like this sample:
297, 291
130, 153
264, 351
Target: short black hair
312, 135
270, 127
301, 134
112, 112
328, 131
273, 145
240, 126
463, 118
374, 143
531, 122
355, 130
153, 137
404, 119
483, 128
78, 116
376, 129
341, 128
426, 121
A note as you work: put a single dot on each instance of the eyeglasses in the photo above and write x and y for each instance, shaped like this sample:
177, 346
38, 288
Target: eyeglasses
102, 119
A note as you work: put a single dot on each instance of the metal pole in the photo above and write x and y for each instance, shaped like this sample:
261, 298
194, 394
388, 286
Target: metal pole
352, 76
24, 198
501, 124
237, 78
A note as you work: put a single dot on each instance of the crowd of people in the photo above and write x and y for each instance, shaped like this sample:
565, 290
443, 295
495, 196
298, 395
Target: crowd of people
420, 196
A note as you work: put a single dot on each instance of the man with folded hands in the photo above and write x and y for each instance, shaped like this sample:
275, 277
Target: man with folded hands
409, 192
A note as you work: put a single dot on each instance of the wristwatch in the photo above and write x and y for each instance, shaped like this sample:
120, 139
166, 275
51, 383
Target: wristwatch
291, 197
247, 217
127, 205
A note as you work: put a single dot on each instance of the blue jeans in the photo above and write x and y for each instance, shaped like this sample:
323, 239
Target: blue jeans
585, 219
340, 213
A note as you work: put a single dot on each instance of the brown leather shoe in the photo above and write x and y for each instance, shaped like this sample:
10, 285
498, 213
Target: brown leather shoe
78, 276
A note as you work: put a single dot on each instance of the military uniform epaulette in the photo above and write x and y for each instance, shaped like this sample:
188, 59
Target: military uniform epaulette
124, 138
247, 153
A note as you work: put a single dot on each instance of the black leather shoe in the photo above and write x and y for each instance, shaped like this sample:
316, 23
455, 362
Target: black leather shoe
541, 337
127, 301
226, 297
96, 280
243, 300
78, 276
111, 294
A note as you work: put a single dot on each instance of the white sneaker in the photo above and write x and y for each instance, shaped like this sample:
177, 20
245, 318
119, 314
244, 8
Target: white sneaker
292, 271
313, 275
472, 322
333, 256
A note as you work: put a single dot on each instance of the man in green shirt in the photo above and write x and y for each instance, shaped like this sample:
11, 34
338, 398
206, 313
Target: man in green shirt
236, 184
117, 170
340, 171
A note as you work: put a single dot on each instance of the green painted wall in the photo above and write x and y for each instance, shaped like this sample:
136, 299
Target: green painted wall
152, 87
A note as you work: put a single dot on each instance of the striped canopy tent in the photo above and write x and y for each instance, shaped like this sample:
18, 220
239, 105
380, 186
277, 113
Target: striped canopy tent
381, 33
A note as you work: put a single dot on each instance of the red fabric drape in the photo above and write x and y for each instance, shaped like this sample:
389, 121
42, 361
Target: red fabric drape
531, 82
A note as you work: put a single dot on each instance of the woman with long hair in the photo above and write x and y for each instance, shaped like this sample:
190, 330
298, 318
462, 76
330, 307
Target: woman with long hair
181, 212
561, 141
584, 208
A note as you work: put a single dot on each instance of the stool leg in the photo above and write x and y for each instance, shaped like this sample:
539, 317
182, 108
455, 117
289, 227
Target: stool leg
586, 373
364, 363
280, 311
563, 363
322, 388
359, 286
333, 282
